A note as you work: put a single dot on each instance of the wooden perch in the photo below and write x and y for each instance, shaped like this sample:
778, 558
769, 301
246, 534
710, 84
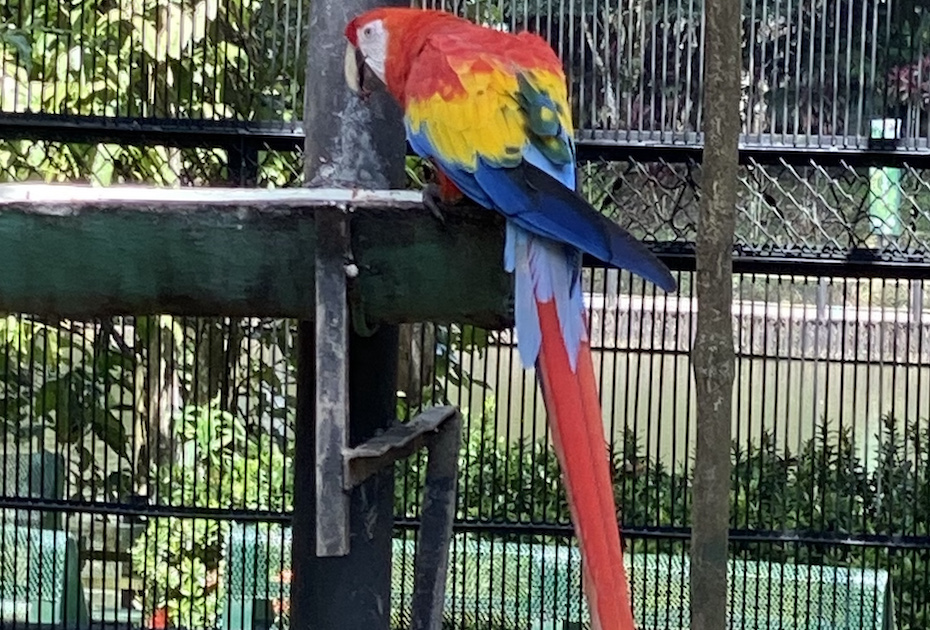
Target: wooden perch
89, 252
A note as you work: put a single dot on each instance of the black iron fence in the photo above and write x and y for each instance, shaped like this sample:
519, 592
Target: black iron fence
157, 450
815, 74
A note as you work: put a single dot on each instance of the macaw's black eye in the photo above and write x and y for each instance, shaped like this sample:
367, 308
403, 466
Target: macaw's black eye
368, 31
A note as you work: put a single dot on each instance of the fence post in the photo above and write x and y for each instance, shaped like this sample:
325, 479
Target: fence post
713, 343
242, 163
348, 144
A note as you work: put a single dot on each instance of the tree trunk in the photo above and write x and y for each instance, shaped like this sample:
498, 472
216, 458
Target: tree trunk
157, 377
416, 361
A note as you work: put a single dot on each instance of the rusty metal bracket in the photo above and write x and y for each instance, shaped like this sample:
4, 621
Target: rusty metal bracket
439, 430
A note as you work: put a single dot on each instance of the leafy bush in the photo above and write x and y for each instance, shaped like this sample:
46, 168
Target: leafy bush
222, 465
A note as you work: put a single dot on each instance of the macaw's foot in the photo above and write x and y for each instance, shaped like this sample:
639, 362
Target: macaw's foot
432, 199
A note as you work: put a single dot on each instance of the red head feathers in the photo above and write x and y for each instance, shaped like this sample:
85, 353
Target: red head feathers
390, 40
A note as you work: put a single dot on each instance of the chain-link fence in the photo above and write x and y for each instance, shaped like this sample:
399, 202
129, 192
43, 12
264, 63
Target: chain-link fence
829, 430
815, 209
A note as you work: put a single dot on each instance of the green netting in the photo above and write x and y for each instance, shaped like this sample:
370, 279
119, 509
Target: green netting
495, 584
257, 559
39, 577
765, 595
36, 475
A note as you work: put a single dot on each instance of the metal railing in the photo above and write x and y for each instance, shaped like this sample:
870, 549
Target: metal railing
815, 75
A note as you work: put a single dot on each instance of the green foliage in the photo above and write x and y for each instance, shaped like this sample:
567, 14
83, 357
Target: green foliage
452, 340
163, 58
827, 487
523, 478
236, 59
221, 465
56, 381
520, 482
180, 558
81, 389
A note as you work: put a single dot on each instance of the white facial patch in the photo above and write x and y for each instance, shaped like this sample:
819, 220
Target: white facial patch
373, 43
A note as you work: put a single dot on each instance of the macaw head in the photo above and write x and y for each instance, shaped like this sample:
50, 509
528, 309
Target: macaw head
383, 42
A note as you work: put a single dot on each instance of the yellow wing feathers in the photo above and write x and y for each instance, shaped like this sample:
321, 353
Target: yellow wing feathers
480, 112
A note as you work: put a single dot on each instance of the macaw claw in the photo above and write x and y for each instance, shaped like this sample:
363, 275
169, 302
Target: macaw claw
432, 199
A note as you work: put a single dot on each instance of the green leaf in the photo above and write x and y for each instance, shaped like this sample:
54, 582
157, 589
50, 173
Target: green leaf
107, 427
19, 41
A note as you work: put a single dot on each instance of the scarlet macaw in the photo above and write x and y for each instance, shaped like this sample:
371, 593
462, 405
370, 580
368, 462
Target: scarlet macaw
490, 110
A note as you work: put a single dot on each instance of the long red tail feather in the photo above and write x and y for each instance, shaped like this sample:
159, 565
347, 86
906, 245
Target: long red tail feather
574, 413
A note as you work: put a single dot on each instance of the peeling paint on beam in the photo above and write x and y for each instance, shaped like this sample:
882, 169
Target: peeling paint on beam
84, 252
154, 199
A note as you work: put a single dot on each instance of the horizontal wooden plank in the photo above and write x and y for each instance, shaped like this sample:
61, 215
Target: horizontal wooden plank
80, 251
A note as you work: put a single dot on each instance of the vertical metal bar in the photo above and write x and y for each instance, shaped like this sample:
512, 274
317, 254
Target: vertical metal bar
700, 64
834, 123
637, 389
821, 86
873, 60
763, 124
572, 51
881, 80
588, 40
918, 112
665, 124
629, 69
242, 163
677, 124
864, 81
751, 91
847, 77
779, 74
653, 79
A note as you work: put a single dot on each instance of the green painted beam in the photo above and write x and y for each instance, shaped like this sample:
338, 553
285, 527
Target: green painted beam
88, 252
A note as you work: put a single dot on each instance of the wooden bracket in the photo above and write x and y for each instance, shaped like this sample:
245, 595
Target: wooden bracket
431, 564
440, 430
339, 468
332, 384
398, 442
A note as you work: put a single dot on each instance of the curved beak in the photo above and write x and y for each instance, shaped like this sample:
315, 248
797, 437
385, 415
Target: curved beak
355, 71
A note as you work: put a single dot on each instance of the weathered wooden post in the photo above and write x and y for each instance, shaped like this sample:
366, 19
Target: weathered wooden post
713, 343
339, 582
352, 244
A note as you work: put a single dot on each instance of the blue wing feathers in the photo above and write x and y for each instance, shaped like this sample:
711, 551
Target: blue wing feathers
541, 205
539, 197
539, 200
